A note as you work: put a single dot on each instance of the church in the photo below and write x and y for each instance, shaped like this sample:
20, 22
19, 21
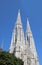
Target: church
21, 47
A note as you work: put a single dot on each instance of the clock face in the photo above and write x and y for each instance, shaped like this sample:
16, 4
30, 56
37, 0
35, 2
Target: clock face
28, 61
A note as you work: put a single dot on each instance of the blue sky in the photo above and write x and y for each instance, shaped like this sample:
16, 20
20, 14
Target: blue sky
8, 15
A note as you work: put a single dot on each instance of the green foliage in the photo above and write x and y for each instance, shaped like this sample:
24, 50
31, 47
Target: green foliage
9, 59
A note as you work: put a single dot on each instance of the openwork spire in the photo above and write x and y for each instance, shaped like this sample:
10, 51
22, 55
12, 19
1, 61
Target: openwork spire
28, 26
27, 33
30, 39
18, 35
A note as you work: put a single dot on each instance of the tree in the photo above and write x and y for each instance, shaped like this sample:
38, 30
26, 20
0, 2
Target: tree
9, 59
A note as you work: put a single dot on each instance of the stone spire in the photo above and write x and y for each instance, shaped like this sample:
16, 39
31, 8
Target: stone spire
28, 31
18, 40
30, 42
29, 37
28, 26
18, 18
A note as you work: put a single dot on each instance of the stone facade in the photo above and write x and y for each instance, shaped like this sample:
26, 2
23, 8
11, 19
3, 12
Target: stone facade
21, 47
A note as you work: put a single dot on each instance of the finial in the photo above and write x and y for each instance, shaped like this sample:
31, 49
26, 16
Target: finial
18, 18
28, 26
19, 12
28, 22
